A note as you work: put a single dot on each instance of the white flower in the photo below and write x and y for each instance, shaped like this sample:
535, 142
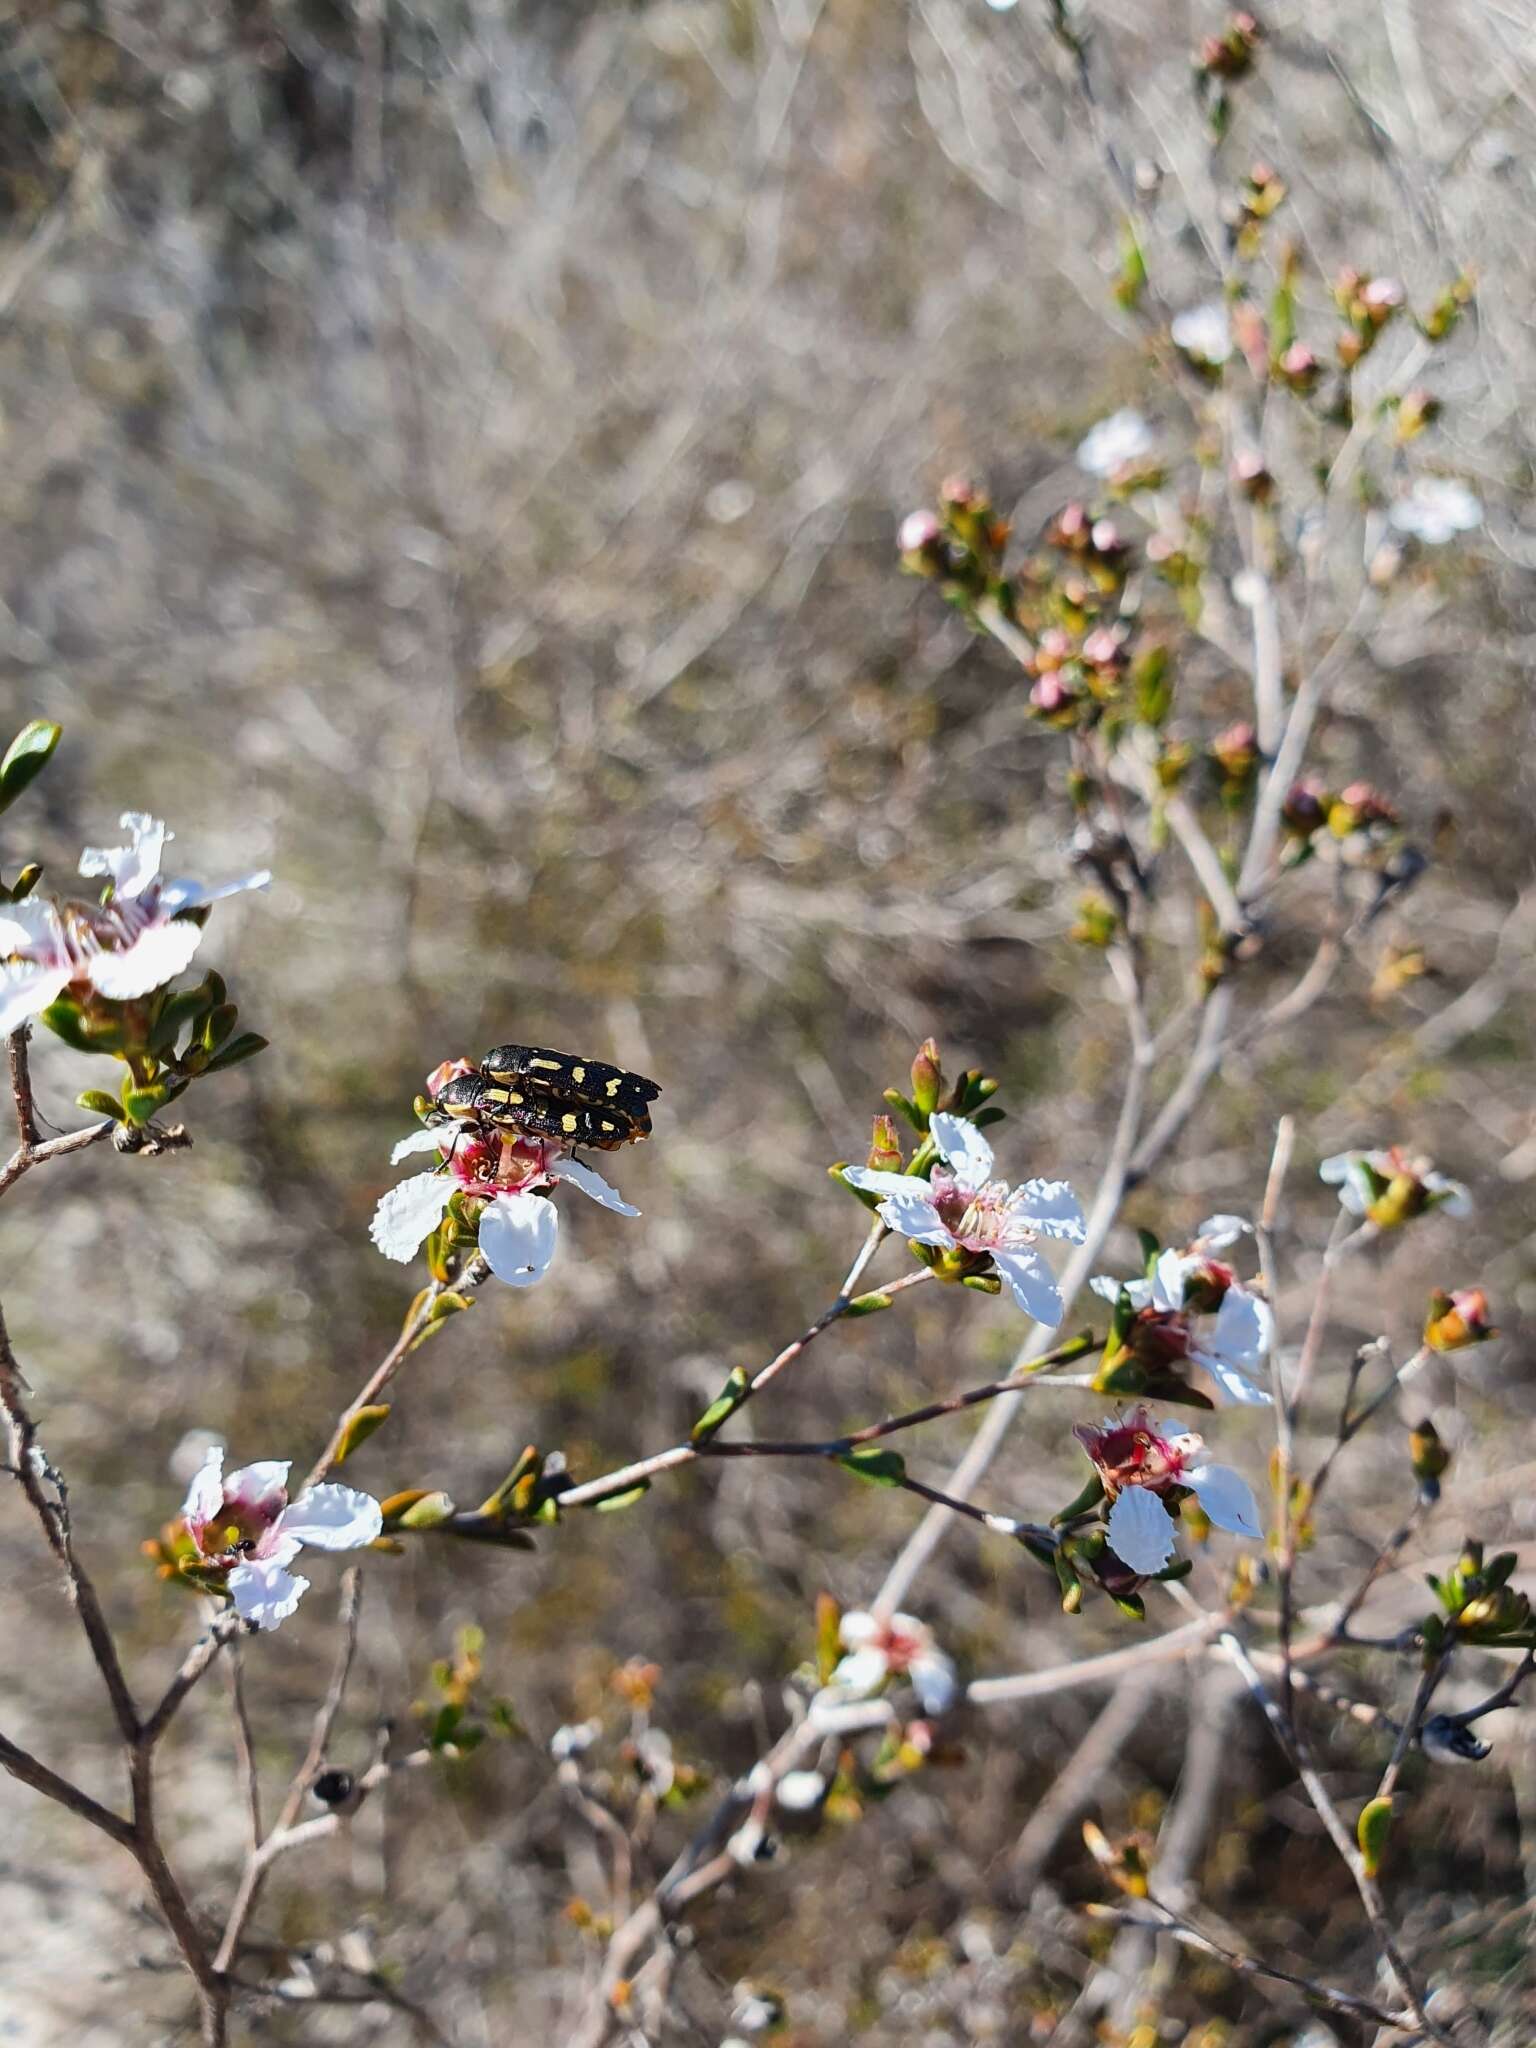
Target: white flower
1187, 1288
1204, 332
518, 1227
799, 1791
900, 1645
962, 1208
246, 1527
1436, 509
1115, 442
1138, 1461
136, 941
1389, 1186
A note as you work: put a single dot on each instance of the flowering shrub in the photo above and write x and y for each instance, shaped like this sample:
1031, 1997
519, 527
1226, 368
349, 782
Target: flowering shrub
1159, 635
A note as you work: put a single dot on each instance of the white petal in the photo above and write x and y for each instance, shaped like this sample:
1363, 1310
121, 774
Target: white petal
26, 991
1106, 1287
799, 1791
594, 1185
184, 895
332, 1518
258, 1490
409, 1213
1227, 1498
1231, 1379
933, 1676
862, 1670
1051, 1207
418, 1141
133, 867
1140, 1530
154, 958
915, 1218
1455, 1200
874, 1182
963, 1148
857, 1627
1033, 1285
517, 1238
264, 1591
30, 926
1217, 1232
1168, 1277
205, 1495
1244, 1329
1346, 1171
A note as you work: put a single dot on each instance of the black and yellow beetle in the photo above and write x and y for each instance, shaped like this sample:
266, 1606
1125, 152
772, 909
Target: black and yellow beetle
554, 1095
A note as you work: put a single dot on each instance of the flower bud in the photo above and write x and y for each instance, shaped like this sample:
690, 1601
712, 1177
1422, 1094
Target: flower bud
1416, 410
1250, 478
1299, 368
927, 1078
884, 1146
1306, 807
1236, 752
920, 543
1429, 1457
1457, 1320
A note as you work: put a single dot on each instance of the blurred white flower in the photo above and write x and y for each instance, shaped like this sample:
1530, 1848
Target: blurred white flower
1389, 1187
1204, 332
133, 942
962, 1208
1436, 510
899, 1646
1205, 1312
1123, 438
799, 1791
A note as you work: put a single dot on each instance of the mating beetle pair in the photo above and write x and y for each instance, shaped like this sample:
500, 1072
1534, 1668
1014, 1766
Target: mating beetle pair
554, 1095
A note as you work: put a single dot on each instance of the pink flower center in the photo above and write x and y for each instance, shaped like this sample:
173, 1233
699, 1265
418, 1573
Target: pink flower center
1133, 1454
494, 1163
978, 1219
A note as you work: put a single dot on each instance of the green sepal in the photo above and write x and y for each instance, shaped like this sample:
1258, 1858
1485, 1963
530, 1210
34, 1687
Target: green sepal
26, 758
1131, 1605
359, 1427
1091, 1495
615, 1501
722, 1408
982, 1283
880, 1468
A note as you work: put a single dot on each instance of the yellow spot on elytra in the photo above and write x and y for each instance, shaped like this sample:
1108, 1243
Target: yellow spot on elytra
567, 1123
578, 1073
553, 1065
613, 1086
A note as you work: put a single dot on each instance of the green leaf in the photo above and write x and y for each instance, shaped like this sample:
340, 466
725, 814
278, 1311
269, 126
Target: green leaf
26, 758
99, 1103
430, 1512
722, 1408
984, 1117
880, 1468
245, 1047
615, 1501
867, 1304
140, 1104
1151, 1251
359, 1428
982, 1283
1371, 1832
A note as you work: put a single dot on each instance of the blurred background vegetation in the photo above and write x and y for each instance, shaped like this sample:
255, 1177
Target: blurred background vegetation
452, 454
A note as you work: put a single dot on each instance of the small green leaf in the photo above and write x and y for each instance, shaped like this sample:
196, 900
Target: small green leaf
1371, 1832
983, 1283
867, 1304
615, 1501
1151, 1251
359, 1428
430, 1512
26, 758
722, 1408
991, 1115
880, 1468
100, 1103
27, 880
245, 1047
140, 1104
